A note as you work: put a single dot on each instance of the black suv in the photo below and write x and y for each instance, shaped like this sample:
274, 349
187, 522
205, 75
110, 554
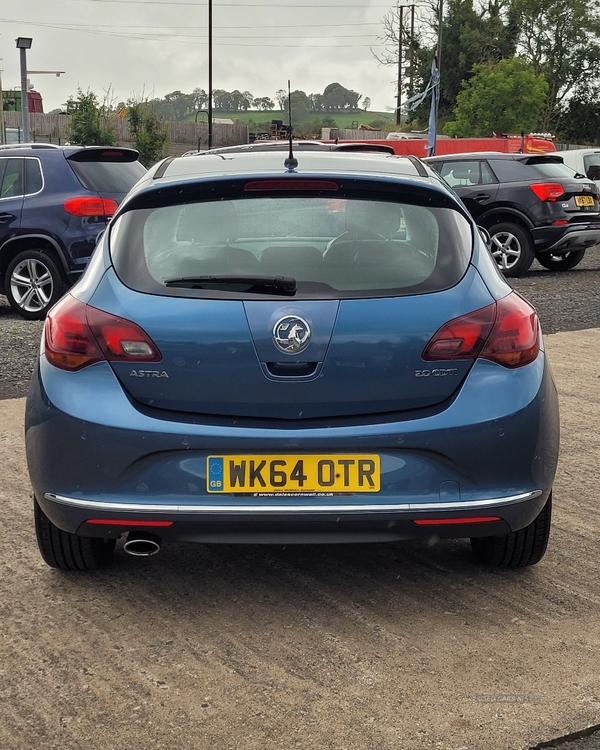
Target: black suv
533, 206
54, 202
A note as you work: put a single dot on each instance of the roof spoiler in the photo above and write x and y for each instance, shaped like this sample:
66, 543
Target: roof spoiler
371, 147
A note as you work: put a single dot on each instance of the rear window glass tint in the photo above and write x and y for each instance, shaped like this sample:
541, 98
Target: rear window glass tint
107, 176
510, 170
553, 169
331, 246
33, 176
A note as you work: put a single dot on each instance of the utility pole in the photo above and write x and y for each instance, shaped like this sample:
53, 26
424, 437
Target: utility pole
400, 35
411, 51
439, 43
210, 74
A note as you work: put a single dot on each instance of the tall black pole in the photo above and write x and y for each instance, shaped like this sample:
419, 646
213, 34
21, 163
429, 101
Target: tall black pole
439, 44
412, 50
210, 62
399, 94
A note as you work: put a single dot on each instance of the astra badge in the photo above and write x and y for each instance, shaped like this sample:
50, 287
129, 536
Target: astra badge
291, 334
148, 374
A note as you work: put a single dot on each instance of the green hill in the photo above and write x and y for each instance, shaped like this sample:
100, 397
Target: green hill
342, 119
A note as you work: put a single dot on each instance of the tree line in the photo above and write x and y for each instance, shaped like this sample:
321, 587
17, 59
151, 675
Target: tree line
89, 117
178, 105
506, 65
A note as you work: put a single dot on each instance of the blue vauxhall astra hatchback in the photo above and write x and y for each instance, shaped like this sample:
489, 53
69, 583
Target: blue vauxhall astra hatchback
291, 350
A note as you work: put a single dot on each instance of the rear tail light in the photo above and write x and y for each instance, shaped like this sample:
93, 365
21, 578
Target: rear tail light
547, 191
88, 205
506, 332
77, 335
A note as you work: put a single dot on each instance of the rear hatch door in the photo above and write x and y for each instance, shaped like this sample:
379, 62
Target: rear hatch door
580, 193
224, 357
110, 172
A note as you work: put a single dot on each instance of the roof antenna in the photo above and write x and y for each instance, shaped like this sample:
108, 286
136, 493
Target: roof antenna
291, 162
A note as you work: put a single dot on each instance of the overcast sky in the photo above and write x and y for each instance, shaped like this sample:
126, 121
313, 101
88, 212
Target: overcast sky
148, 48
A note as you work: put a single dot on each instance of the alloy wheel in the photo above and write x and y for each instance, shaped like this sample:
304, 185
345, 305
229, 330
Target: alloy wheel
505, 249
32, 285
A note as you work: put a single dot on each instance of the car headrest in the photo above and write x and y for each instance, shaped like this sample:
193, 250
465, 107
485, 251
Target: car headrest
209, 223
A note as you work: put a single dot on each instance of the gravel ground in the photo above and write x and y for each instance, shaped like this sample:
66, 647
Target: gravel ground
231, 647
565, 301
344, 647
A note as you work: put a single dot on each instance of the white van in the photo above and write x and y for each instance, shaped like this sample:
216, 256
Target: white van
586, 161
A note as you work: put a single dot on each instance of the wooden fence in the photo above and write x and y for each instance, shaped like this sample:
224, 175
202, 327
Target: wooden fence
183, 136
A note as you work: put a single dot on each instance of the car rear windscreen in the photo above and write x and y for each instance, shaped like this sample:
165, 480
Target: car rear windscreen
107, 176
556, 170
330, 246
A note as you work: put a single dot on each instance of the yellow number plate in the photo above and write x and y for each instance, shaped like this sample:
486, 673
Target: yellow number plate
584, 200
293, 473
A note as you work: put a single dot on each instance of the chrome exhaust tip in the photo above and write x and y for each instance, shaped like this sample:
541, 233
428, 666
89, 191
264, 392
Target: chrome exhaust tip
140, 544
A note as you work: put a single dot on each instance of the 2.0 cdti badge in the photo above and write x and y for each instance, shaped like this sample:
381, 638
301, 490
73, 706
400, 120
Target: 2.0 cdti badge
320, 352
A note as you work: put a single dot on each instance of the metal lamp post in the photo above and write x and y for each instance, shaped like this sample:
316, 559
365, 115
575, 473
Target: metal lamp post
23, 44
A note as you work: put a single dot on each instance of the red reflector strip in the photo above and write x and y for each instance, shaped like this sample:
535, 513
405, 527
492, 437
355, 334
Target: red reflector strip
448, 521
121, 522
290, 183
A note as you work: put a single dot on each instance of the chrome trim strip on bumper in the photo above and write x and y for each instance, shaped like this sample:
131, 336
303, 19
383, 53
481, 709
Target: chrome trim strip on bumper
289, 509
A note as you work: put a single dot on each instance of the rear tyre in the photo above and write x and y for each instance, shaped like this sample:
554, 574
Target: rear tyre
519, 548
66, 551
561, 262
33, 284
511, 248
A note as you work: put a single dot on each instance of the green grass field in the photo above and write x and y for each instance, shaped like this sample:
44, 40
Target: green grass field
342, 119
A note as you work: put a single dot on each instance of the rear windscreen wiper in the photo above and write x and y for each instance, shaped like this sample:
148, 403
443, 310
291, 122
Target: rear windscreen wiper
245, 283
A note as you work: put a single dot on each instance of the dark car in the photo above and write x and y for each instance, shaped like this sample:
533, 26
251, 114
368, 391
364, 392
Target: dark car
54, 202
533, 206
291, 351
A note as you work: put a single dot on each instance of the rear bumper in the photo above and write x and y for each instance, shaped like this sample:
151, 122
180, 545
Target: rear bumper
557, 240
93, 455
308, 523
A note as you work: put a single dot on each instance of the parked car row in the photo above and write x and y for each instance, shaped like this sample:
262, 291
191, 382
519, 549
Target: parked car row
56, 201
287, 348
